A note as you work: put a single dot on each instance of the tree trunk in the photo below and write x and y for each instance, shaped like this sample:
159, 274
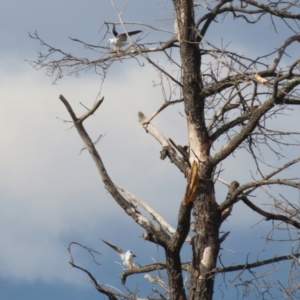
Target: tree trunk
174, 271
205, 244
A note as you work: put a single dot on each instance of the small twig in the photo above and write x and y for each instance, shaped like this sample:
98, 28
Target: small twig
166, 104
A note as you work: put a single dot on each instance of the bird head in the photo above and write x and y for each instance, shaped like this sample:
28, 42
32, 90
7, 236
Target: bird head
111, 41
132, 253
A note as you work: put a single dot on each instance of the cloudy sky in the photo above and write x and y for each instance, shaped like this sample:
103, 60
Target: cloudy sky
50, 191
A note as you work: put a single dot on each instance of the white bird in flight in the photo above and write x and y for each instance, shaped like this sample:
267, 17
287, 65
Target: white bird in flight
120, 40
127, 257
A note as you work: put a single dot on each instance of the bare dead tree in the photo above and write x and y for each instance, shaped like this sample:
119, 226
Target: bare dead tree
230, 101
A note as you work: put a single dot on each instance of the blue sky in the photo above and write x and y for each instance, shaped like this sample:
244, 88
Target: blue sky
50, 194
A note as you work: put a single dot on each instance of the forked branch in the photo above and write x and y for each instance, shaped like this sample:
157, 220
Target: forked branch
156, 216
162, 237
270, 216
167, 148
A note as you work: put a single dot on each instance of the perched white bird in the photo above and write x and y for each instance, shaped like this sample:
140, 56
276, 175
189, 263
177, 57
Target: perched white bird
127, 257
120, 40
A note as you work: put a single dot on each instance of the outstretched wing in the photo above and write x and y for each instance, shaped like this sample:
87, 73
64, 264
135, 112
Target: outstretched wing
117, 249
123, 36
114, 31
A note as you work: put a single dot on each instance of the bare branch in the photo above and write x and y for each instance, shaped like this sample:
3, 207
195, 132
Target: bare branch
278, 57
281, 13
92, 110
284, 167
269, 216
257, 264
211, 16
256, 114
269, 182
149, 268
157, 280
162, 70
90, 251
170, 152
109, 293
250, 187
166, 104
156, 216
225, 108
229, 198
161, 236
